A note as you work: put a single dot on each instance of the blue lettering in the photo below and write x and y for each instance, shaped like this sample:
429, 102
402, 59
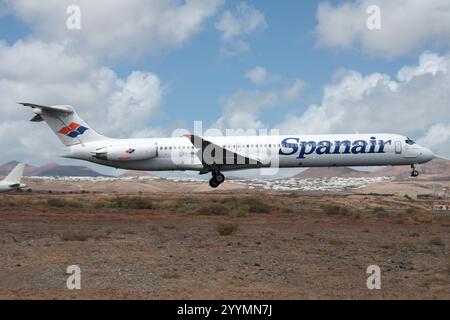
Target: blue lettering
286, 144
303, 151
382, 144
373, 144
323, 147
359, 146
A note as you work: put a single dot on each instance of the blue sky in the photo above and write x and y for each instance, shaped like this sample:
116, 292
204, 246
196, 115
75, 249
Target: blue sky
131, 72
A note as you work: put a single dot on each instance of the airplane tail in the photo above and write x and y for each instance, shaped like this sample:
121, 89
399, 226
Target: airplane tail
15, 176
65, 123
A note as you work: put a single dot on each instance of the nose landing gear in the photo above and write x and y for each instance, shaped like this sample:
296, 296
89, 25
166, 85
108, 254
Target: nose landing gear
414, 172
217, 179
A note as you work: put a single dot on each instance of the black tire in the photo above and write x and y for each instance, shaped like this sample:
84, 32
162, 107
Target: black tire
213, 183
415, 173
219, 178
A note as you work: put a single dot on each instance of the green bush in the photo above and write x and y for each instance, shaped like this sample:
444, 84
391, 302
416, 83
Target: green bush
226, 229
62, 203
129, 203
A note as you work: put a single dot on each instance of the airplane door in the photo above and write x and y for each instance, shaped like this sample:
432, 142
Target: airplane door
398, 147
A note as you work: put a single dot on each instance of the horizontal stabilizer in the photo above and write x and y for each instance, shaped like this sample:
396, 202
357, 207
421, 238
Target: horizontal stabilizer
51, 109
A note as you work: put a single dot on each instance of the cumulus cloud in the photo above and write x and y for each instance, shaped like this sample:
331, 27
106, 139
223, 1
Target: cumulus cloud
34, 71
114, 28
437, 138
405, 25
243, 107
234, 25
411, 104
260, 76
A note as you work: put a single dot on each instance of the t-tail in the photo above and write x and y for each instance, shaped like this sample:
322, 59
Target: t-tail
65, 123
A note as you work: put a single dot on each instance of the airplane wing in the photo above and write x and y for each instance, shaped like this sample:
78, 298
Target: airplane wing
16, 185
215, 157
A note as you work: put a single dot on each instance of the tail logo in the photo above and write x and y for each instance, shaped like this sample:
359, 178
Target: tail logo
73, 130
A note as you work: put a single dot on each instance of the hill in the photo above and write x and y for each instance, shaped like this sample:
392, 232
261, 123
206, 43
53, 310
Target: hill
326, 172
51, 170
437, 169
6, 168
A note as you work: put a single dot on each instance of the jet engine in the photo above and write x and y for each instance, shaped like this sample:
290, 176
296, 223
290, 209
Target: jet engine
126, 153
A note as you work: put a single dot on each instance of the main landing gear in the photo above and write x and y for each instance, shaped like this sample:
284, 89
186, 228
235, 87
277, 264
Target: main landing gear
414, 172
216, 180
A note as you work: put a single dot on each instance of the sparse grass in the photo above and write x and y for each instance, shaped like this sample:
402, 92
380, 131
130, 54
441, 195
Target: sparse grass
335, 210
239, 212
226, 229
72, 235
337, 242
155, 231
78, 235
380, 212
170, 275
411, 210
169, 226
7, 203
215, 209
436, 241
139, 203
63, 203
386, 245
448, 264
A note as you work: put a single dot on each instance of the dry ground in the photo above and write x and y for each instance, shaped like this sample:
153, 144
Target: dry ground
281, 245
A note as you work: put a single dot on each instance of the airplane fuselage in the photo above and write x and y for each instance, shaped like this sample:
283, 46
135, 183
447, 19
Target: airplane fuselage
283, 151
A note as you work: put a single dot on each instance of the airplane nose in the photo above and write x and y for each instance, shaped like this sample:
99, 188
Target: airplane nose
428, 154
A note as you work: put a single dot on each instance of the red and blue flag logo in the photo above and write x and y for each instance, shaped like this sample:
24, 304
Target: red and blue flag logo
130, 151
73, 130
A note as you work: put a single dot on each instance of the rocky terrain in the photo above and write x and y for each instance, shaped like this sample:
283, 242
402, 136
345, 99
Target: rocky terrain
234, 245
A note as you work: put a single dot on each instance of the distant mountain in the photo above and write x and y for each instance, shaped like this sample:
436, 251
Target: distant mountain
56, 170
7, 168
327, 172
436, 169
51, 170
132, 173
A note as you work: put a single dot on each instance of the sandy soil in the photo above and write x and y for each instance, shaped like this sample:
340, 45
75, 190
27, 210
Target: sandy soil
299, 249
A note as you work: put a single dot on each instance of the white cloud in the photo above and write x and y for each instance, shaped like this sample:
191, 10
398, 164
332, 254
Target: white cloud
438, 138
411, 104
260, 76
243, 22
405, 25
235, 49
113, 28
246, 20
242, 108
33, 71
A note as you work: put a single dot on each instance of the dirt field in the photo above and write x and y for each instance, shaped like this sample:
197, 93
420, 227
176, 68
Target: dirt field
233, 245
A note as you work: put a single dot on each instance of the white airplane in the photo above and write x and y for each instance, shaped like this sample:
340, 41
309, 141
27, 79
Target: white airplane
218, 154
13, 180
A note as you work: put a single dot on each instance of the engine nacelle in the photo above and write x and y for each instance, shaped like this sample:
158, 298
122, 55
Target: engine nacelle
126, 153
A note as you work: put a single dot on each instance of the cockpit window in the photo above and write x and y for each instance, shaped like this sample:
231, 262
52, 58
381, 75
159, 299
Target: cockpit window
409, 141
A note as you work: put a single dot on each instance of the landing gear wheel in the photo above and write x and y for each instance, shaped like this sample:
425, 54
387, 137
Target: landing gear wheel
216, 180
220, 178
414, 173
213, 183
